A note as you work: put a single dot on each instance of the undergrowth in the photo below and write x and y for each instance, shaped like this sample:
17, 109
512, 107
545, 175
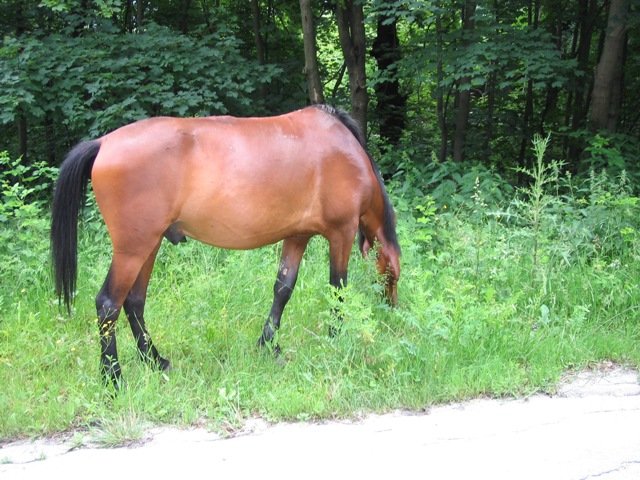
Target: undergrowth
501, 291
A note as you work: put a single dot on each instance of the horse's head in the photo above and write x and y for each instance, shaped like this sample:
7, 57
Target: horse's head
389, 266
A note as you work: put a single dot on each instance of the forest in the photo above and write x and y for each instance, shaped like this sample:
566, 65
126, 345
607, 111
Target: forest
466, 81
508, 136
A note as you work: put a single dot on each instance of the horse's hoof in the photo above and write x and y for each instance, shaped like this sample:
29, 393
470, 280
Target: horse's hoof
164, 365
268, 344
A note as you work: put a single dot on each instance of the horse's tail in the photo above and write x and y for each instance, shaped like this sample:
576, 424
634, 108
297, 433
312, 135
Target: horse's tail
389, 226
68, 199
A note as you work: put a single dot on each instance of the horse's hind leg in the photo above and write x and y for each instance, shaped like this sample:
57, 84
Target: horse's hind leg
134, 309
123, 272
292, 250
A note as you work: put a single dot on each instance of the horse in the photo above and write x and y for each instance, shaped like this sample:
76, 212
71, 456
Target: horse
231, 182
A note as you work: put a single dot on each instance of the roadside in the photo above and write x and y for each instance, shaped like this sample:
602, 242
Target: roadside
589, 429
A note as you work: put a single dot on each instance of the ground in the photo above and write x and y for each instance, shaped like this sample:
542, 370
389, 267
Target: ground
589, 429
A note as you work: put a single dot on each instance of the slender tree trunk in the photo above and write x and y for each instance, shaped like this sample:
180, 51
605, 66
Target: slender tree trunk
258, 37
350, 19
22, 136
440, 103
533, 14
551, 95
464, 96
587, 13
21, 118
257, 32
184, 19
391, 103
314, 85
606, 97
140, 4
126, 17
491, 106
615, 106
50, 138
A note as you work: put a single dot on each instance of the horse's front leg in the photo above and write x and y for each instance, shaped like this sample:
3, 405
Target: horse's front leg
339, 250
292, 250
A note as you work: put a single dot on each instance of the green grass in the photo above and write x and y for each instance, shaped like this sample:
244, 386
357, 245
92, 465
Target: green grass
476, 317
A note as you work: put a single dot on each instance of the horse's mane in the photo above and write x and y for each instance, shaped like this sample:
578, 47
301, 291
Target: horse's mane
389, 226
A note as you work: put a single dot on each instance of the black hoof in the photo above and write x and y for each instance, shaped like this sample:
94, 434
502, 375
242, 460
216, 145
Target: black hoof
268, 344
113, 382
163, 364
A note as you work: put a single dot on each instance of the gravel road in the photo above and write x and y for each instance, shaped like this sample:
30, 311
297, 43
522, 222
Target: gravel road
590, 429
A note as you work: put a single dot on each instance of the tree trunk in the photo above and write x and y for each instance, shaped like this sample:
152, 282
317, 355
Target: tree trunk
491, 106
311, 71
140, 4
50, 138
350, 19
551, 95
257, 32
587, 14
391, 103
464, 96
533, 15
126, 18
606, 97
440, 103
21, 119
22, 136
615, 106
184, 17
261, 51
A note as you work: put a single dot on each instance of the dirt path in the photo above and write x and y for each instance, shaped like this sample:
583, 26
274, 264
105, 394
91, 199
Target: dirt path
590, 429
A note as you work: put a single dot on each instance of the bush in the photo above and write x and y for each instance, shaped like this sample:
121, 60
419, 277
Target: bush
24, 223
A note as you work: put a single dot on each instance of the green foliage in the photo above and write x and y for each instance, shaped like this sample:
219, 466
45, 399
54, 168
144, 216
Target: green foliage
24, 224
598, 217
101, 80
614, 153
450, 184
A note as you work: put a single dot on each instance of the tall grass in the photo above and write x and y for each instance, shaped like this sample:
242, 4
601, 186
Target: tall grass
471, 319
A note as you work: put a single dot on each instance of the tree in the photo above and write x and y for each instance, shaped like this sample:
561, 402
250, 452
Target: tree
441, 104
533, 14
311, 71
578, 100
391, 102
464, 89
350, 19
607, 87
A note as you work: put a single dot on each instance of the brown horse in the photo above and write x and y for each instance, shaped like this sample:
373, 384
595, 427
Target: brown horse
236, 183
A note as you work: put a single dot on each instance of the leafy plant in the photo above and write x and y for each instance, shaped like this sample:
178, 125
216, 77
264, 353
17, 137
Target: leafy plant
542, 175
23, 221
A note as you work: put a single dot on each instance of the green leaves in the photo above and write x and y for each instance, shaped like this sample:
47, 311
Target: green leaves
100, 81
516, 54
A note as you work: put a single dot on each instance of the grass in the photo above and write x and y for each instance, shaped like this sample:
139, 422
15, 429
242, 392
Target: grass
490, 305
467, 325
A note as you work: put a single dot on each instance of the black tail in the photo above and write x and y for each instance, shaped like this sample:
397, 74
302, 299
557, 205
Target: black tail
68, 199
389, 227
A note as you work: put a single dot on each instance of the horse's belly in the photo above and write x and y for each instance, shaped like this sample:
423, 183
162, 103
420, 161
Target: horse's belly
245, 228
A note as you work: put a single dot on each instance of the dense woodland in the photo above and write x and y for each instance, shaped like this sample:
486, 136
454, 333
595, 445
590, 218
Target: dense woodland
429, 81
